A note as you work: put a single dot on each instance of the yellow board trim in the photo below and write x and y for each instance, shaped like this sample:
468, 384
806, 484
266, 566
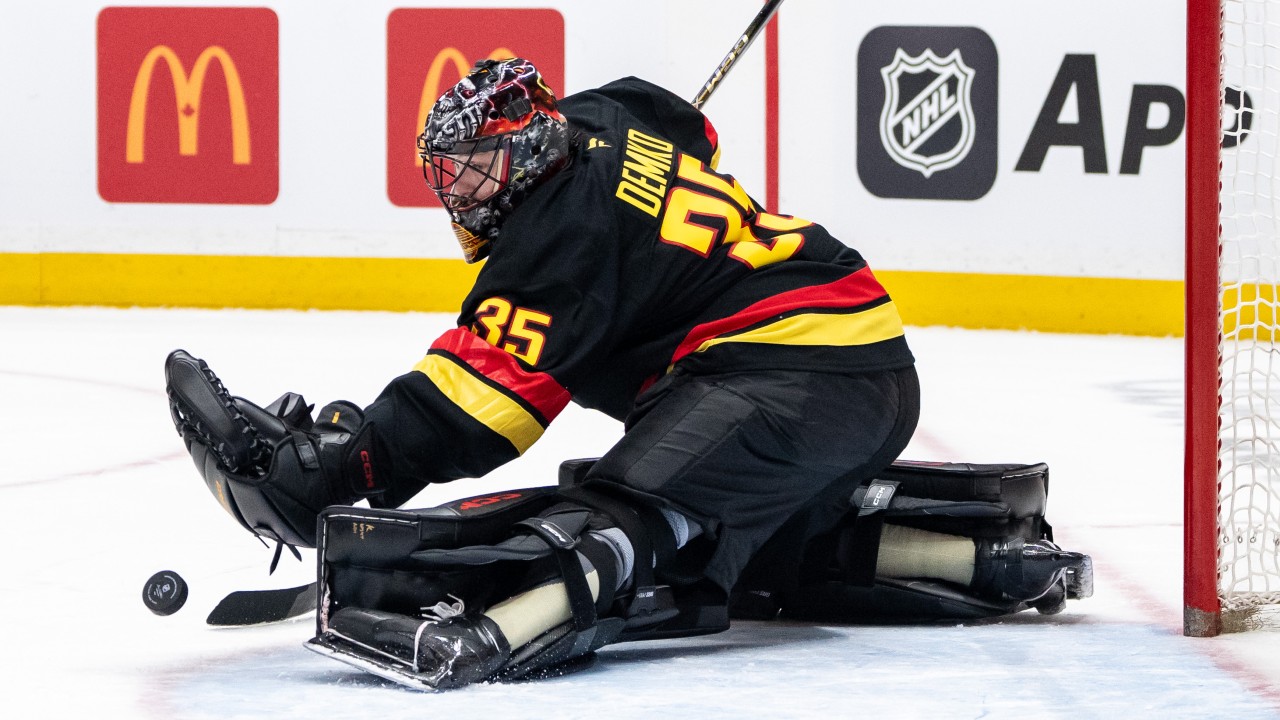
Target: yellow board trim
863, 328
491, 408
1046, 303
1249, 312
221, 281
970, 300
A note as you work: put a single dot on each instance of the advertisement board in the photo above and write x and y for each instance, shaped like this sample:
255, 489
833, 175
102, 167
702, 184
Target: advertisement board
1027, 159
188, 105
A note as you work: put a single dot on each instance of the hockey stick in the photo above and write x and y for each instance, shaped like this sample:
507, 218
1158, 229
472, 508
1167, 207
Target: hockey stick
255, 607
739, 48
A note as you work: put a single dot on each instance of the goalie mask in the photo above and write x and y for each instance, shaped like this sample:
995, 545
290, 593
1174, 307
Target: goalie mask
487, 143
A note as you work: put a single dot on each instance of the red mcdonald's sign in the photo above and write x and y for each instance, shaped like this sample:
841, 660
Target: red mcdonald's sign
428, 50
188, 105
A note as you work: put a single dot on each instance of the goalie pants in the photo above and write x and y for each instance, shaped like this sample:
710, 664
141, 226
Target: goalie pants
742, 453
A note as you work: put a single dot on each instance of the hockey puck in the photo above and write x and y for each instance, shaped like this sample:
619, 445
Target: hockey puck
165, 592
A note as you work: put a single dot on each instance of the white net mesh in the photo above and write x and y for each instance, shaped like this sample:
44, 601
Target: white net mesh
1249, 450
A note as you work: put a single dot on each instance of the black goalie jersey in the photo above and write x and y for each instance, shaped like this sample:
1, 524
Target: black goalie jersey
636, 257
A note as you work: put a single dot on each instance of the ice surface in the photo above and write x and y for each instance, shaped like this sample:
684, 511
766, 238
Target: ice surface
98, 494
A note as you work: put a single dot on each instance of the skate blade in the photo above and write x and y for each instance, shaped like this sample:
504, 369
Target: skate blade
386, 669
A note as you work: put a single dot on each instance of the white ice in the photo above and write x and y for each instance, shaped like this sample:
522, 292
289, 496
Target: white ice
96, 494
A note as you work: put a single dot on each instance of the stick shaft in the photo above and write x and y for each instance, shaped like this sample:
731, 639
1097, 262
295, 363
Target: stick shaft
739, 48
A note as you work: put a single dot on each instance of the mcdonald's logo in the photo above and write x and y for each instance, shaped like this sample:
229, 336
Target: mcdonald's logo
428, 50
188, 105
188, 90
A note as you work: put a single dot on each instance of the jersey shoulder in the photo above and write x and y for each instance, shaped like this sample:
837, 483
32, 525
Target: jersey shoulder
632, 102
566, 224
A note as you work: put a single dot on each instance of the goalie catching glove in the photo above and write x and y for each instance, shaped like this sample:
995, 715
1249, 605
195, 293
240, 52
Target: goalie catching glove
274, 468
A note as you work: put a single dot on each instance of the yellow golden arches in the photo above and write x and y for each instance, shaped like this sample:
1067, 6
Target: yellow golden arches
188, 90
431, 85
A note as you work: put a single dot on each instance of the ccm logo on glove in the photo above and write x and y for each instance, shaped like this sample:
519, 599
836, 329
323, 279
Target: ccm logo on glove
368, 469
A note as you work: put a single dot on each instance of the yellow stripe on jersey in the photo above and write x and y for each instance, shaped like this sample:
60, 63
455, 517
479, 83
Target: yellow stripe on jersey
488, 406
837, 329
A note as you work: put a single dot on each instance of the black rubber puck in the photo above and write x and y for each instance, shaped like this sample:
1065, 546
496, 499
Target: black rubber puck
165, 593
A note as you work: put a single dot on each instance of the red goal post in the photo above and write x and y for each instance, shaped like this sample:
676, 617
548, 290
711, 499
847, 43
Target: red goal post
1232, 460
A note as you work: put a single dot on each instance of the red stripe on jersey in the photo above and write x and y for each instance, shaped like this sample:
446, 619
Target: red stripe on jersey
712, 136
537, 389
850, 291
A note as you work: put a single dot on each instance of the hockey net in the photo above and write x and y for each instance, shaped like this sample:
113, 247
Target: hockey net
1232, 529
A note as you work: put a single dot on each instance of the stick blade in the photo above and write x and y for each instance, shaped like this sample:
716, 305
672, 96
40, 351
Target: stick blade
255, 607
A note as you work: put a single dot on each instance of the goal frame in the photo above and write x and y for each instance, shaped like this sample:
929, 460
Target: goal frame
1202, 610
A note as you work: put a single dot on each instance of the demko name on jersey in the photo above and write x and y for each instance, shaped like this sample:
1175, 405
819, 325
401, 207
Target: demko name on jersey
645, 171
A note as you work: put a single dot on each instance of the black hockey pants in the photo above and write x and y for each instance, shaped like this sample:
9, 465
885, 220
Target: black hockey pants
742, 453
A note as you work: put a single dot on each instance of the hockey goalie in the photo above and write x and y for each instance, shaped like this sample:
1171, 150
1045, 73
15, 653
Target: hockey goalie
762, 374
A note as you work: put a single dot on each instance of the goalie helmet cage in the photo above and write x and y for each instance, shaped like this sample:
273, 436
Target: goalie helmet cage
1232, 461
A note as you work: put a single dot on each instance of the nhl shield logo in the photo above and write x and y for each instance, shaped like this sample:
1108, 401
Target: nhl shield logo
927, 122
